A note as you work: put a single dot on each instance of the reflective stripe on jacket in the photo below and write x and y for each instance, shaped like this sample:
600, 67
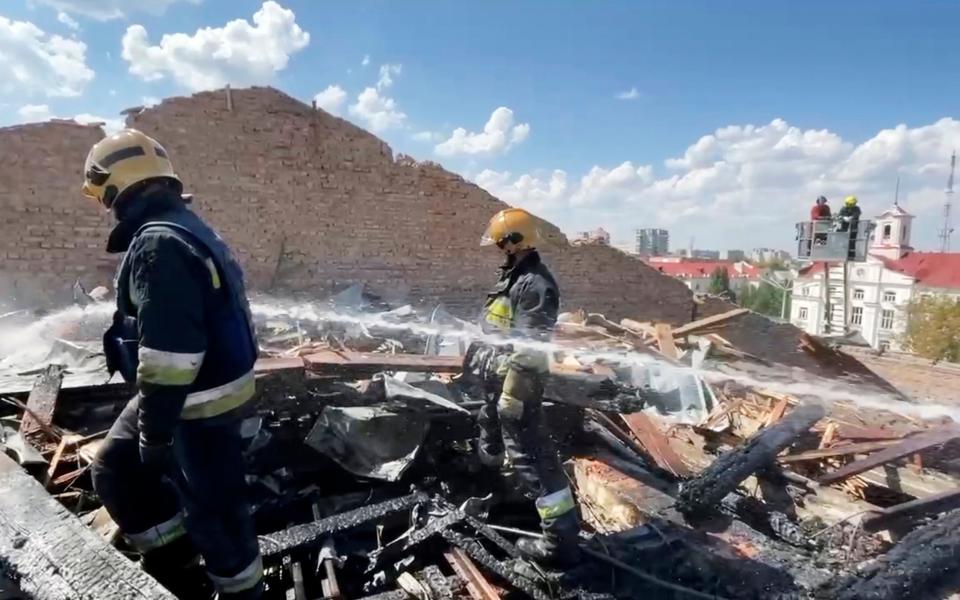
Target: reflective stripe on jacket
220, 378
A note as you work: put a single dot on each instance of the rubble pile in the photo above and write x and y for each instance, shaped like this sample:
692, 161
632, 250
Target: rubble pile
701, 469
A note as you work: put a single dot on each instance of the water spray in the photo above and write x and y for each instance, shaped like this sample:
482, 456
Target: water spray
31, 341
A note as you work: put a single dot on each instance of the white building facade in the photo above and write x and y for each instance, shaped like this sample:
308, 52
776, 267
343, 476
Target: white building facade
868, 300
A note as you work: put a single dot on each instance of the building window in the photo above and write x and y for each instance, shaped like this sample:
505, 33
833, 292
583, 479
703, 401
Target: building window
856, 317
802, 314
886, 319
889, 296
858, 294
886, 231
805, 291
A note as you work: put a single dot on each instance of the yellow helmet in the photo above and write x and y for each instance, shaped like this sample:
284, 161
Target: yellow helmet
122, 160
850, 201
512, 225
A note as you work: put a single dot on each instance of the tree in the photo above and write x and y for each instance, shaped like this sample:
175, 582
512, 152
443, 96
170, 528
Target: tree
765, 299
720, 282
933, 328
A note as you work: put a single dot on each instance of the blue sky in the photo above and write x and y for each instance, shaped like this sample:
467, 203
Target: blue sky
742, 113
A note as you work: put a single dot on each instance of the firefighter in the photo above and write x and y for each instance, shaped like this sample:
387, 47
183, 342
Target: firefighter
171, 470
849, 217
524, 305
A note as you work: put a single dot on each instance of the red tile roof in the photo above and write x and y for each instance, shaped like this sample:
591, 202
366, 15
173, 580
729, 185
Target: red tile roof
699, 269
933, 269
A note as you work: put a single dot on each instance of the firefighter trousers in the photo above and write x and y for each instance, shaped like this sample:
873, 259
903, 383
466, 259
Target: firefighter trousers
513, 423
203, 497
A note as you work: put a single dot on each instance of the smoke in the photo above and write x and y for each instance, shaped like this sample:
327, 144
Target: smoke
25, 341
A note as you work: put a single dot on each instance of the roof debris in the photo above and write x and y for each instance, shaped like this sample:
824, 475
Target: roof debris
704, 466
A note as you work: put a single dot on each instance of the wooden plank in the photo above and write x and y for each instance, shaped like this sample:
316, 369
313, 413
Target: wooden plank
708, 321
54, 555
828, 435
921, 507
42, 400
477, 585
655, 444
850, 431
264, 366
904, 448
618, 500
665, 341
907, 481
366, 363
835, 451
776, 413
55, 461
638, 327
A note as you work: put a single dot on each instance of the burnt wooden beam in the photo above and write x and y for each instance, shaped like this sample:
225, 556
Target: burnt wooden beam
42, 400
908, 446
54, 556
921, 507
331, 362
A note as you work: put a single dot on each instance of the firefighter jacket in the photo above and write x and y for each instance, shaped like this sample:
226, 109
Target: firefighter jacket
182, 329
524, 303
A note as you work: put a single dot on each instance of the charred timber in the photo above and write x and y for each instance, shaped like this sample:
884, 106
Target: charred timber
705, 491
310, 534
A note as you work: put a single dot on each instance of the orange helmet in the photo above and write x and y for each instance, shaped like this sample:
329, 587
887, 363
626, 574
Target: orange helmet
512, 225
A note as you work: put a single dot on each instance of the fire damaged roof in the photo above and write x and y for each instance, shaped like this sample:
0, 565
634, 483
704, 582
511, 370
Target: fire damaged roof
718, 459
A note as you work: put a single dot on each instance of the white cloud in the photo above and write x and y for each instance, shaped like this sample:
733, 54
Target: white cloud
331, 99
109, 125
32, 113
498, 135
149, 101
365, 61
239, 53
377, 112
33, 62
68, 21
387, 73
745, 185
105, 10
427, 136
35, 113
631, 94
536, 192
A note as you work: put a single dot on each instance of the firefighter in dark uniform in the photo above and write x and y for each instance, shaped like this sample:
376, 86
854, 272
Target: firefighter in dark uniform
171, 471
524, 304
849, 217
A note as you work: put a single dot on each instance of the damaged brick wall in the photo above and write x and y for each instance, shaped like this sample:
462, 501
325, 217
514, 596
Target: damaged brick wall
49, 236
309, 202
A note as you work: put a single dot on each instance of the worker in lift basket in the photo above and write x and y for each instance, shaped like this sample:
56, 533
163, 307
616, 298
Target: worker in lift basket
171, 471
849, 220
523, 304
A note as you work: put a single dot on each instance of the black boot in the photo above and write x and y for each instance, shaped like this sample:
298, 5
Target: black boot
559, 546
176, 566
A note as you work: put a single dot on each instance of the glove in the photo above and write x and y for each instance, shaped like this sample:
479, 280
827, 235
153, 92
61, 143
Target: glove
158, 457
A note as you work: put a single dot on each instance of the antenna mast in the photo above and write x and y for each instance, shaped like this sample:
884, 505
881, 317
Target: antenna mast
947, 229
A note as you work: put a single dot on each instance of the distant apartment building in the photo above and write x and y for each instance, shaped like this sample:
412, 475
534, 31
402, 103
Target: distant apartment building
699, 254
598, 236
765, 255
733, 255
653, 242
